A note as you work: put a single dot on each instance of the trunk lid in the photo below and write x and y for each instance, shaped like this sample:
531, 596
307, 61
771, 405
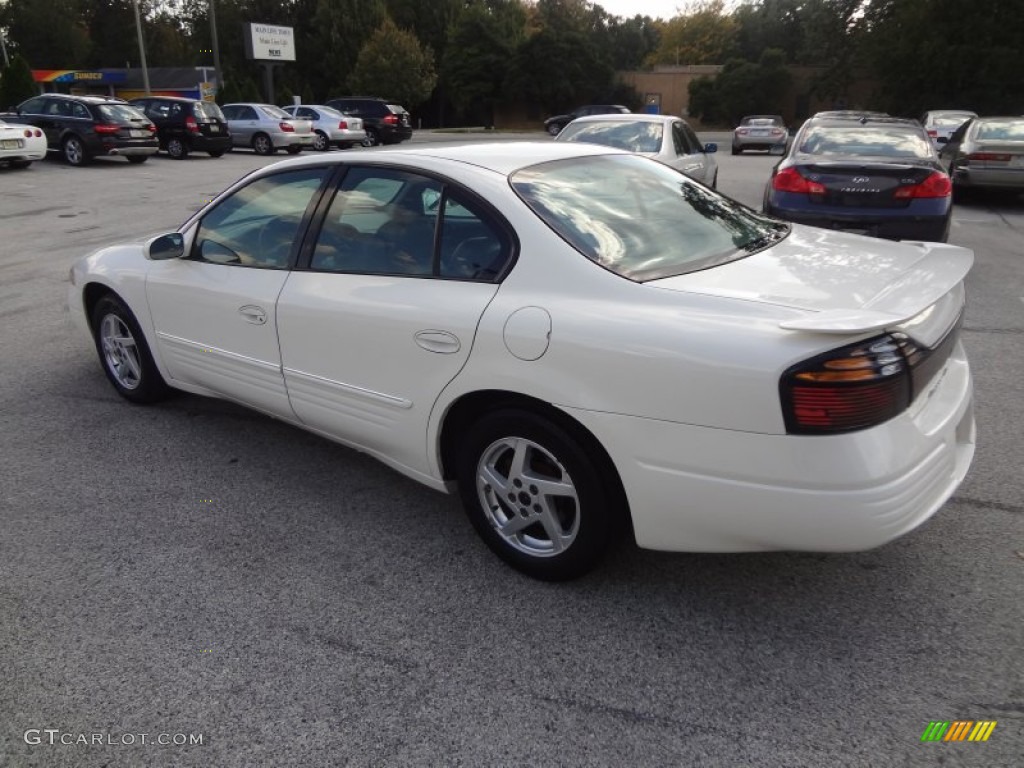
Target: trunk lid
862, 184
845, 283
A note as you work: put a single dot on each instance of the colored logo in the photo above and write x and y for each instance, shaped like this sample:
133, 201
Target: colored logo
958, 730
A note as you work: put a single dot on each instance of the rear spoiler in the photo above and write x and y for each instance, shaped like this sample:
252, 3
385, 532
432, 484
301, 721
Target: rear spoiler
940, 270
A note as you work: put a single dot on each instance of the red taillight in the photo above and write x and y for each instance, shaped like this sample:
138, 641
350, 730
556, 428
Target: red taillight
287, 127
936, 185
37, 133
390, 119
105, 128
933, 134
343, 125
742, 131
790, 180
989, 157
777, 132
850, 388
191, 125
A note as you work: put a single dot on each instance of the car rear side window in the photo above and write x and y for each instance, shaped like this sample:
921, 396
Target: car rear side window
257, 226
640, 219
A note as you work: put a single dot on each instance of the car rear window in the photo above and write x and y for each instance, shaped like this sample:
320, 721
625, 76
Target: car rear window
121, 112
1001, 131
275, 112
396, 109
209, 110
641, 219
950, 121
860, 140
639, 136
761, 121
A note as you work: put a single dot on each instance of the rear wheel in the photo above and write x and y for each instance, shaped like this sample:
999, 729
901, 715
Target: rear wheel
74, 151
177, 148
216, 153
124, 354
293, 150
372, 138
321, 143
262, 144
20, 163
535, 495
136, 159
736, 150
554, 129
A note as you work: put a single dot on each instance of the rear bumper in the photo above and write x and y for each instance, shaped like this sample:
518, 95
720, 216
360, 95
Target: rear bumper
128, 148
912, 223
998, 178
698, 489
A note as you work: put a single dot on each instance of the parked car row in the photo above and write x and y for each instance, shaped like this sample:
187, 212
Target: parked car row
82, 128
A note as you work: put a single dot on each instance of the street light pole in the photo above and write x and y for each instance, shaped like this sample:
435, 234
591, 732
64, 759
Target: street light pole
142, 49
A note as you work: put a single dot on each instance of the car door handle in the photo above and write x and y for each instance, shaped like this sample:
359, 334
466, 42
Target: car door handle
253, 314
441, 342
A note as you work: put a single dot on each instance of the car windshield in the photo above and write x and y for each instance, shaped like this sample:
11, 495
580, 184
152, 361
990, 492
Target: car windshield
275, 112
641, 219
1004, 131
209, 110
635, 136
874, 141
121, 112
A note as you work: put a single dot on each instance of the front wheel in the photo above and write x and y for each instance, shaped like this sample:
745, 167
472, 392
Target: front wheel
262, 144
124, 354
534, 495
372, 139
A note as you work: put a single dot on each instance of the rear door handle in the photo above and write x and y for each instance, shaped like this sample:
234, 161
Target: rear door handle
441, 342
253, 314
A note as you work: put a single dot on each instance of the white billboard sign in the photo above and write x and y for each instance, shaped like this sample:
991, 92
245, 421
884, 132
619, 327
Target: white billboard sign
269, 42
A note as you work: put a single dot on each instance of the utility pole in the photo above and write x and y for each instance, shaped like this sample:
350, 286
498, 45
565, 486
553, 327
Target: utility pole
216, 48
142, 49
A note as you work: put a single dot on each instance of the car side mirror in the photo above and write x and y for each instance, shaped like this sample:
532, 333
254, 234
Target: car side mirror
710, 147
165, 247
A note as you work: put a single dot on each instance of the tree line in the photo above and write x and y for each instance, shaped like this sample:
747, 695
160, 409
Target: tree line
454, 61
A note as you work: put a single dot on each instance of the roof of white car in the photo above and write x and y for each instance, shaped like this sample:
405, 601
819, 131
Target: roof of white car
502, 157
630, 117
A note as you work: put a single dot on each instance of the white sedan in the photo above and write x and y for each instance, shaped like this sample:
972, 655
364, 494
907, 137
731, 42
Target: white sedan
665, 138
580, 341
20, 145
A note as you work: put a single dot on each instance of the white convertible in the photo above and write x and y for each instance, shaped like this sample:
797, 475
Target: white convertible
579, 340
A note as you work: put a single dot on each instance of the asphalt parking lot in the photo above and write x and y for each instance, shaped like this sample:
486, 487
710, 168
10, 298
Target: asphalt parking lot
195, 568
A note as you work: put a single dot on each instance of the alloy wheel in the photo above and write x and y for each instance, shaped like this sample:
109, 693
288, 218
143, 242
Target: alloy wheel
120, 352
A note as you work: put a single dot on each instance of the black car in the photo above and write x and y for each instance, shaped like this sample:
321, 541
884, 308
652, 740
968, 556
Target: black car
554, 125
876, 176
186, 125
84, 127
384, 121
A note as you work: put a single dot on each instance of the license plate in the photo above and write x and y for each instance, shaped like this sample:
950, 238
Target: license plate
214, 129
11, 144
1017, 161
759, 132
136, 134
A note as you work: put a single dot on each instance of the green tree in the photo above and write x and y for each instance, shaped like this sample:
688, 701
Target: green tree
16, 83
481, 42
742, 88
342, 28
52, 34
394, 65
632, 40
707, 35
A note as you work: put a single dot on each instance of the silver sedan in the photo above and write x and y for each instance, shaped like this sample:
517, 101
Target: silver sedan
267, 128
662, 137
986, 152
332, 128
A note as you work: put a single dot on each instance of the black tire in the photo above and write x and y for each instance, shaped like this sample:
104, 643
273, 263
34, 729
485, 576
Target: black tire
136, 159
217, 153
177, 148
20, 163
136, 377
553, 129
322, 142
736, 150
293, 150
74, 151
372, 138
583, 525
263, 145
714, 181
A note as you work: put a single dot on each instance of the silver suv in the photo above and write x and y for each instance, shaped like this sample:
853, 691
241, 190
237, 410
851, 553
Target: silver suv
267, 128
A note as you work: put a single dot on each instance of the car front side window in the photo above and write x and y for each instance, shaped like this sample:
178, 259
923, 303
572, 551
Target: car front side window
259, 224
